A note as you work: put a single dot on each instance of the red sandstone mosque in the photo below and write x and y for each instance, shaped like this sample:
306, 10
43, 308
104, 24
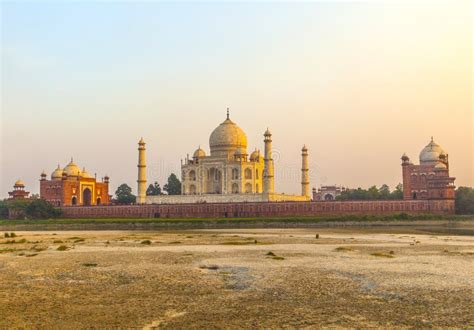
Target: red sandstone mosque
430, 179
70, 187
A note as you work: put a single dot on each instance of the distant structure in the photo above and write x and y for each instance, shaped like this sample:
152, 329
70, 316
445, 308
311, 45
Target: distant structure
430, 179
327, 193
228, 174
71, 186
19, 191
141, 195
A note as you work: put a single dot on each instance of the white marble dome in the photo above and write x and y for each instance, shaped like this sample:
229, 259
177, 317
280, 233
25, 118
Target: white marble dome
199, 153
431, 153
227, 138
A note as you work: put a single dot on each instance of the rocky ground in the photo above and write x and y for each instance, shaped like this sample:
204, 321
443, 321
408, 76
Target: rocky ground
251, 278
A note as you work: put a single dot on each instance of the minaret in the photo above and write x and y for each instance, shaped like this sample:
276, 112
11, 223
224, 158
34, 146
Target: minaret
305, 172
268, 179
141, 173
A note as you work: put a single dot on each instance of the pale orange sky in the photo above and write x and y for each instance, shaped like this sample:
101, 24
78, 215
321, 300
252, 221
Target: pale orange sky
358, 83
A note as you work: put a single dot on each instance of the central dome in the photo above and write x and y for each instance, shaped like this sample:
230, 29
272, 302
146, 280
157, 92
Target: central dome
431, 153
227, 138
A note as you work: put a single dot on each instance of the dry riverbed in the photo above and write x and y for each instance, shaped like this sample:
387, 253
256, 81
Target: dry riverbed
259, 278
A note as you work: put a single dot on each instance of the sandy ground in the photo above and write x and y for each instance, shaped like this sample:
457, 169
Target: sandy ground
250, 278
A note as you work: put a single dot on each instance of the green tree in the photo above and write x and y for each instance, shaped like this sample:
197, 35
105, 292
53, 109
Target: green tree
173, 187
3, 210
154, 189
373, 193
397, 193
384, 192
465, 200
41, 209
124, 195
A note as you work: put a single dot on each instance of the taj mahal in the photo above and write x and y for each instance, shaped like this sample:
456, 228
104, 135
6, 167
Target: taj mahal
228, 174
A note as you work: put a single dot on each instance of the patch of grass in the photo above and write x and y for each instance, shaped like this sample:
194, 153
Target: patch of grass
146, 242
10, 250
343, 249
209, 267
175, 242
278, 258
382, 254
189, 236
22, 241
89, 265
79, 240
271, 254
58, 241
62, 248
75, 237
38, 249
238, 243
31, 255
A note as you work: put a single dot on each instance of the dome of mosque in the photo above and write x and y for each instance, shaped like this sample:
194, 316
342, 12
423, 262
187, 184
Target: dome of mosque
440, 166
431, 153
255, 155
57, 174
72, 169
19, 183
199, 153
85, 174
227, 137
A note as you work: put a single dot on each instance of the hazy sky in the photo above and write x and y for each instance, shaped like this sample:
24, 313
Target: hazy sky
358, 82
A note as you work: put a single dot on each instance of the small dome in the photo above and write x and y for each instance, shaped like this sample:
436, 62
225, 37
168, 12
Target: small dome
267, 132
405, 158
304, 148
85, 174
72, 169
439, 167
240, 152
431, 153
19, 183
255, 155
199, 153
227, 137
57, 174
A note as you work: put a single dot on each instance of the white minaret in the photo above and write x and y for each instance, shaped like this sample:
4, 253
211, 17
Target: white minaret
141, 173
305, 172
268, 179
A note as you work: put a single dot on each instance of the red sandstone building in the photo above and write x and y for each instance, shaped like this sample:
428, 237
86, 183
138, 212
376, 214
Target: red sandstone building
18, 191
71, 186
430, 179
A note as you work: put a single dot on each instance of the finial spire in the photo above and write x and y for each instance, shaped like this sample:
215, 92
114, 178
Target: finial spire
432, 139
228, 115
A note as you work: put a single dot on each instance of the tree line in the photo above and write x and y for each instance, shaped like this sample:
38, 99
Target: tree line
124, 195
373, 193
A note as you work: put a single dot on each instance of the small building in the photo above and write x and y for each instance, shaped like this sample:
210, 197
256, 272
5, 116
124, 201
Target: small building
19, 191
71, 186
430, 179
327, 193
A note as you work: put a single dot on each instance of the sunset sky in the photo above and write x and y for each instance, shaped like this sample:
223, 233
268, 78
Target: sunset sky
359, 83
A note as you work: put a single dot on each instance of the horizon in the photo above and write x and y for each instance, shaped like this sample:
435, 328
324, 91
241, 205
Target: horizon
358, 83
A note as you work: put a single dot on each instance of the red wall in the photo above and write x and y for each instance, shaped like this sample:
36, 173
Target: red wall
266, 209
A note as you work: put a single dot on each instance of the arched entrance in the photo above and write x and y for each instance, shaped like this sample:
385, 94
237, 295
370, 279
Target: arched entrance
87, 197
74, 200
99, 201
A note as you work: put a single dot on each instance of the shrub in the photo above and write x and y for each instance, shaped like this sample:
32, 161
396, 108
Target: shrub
146, 242
62, 248
41, 209
6, 235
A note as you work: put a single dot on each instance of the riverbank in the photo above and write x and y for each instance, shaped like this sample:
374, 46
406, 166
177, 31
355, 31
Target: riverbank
459, 225
237, 278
